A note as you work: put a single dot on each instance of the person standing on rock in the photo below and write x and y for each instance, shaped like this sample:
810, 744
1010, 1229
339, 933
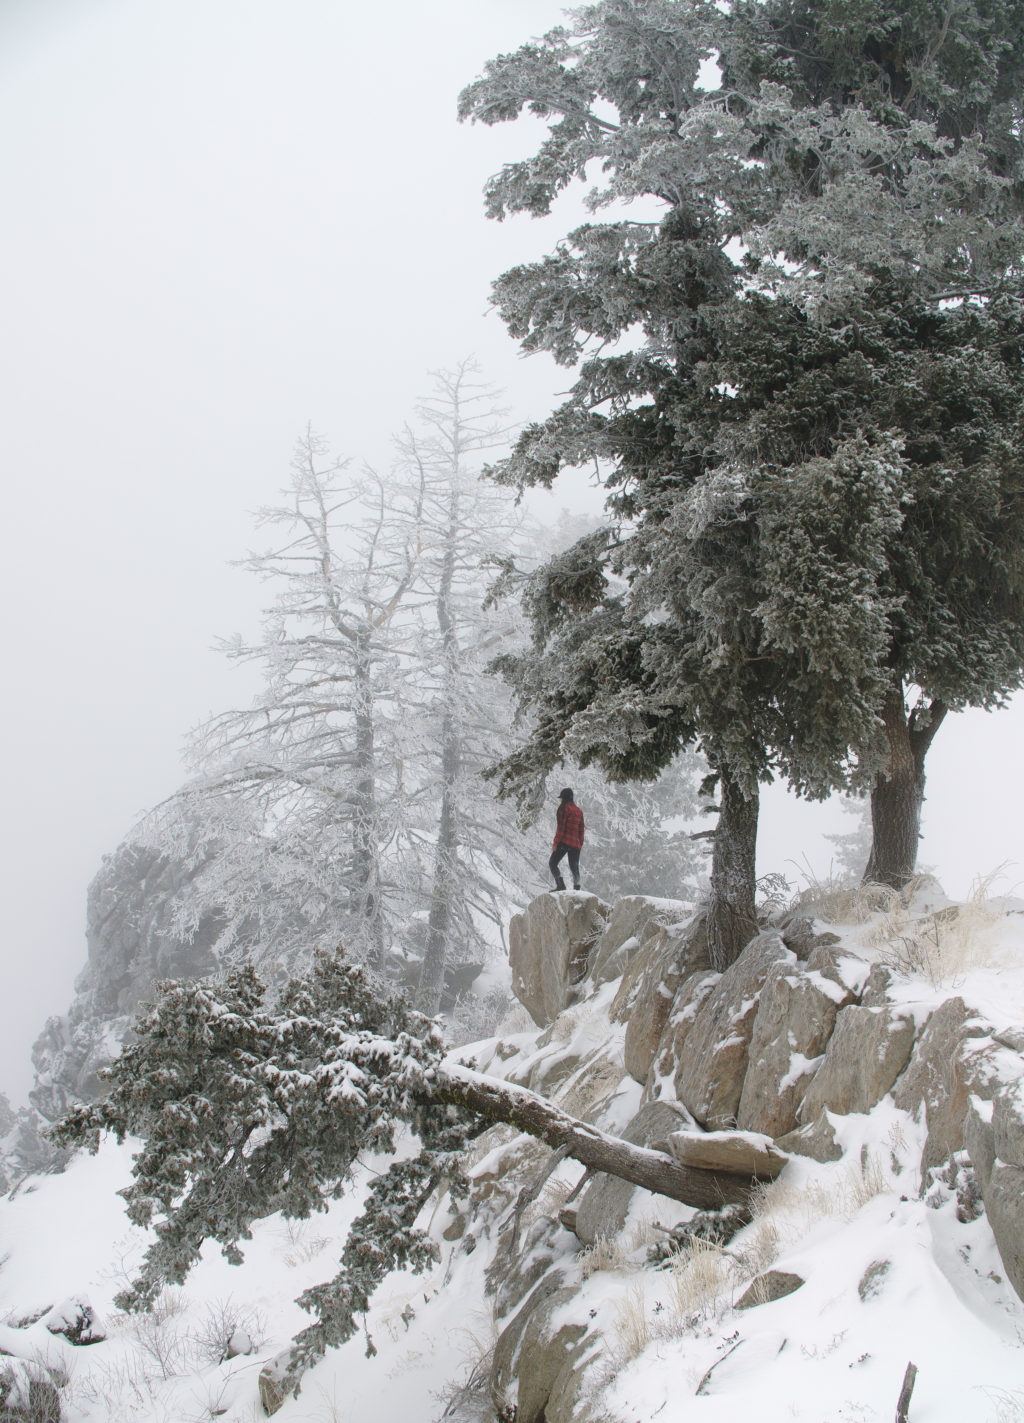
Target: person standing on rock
568, 839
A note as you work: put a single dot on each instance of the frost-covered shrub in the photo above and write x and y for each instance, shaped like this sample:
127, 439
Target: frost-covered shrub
248, 1107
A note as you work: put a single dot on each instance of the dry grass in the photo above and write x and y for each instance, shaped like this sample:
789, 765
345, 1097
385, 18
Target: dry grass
845, 901
633, 1331
784, 1213
944, 944
605, 1254
1008, 1405
701, 1276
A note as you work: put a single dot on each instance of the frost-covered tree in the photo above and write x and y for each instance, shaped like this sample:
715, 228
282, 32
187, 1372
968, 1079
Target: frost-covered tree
346, 803
250, 1103
472, 857
295, 808
799, 373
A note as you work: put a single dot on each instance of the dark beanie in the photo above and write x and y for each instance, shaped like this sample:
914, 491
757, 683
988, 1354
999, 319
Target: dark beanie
566, 794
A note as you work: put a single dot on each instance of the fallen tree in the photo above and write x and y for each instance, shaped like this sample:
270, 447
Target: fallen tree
248, 1105
654, 1170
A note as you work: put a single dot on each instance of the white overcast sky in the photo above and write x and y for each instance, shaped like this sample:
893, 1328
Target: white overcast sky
225, 219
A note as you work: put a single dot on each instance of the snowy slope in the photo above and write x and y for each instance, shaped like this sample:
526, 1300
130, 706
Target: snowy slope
891, 1275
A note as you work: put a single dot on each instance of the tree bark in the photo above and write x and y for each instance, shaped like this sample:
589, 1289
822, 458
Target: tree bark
732, 917
445, 883
365, 897
654, 1170
898, 793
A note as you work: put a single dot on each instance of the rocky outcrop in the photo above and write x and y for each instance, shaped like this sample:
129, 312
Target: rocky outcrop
634, 921
604, 1204
550, 945
535, 1377
133, 941
794, 1023
709, 1079
941, 1076
867, 1052
669, 957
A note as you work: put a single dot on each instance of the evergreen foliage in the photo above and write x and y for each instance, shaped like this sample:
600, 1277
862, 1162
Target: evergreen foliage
799, 369
248, 1105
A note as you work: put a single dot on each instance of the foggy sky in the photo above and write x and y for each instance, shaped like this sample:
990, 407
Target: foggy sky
225, 219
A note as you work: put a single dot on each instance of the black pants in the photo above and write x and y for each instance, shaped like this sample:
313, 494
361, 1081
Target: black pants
557, 854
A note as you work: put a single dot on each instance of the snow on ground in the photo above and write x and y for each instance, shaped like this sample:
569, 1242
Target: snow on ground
891, 1275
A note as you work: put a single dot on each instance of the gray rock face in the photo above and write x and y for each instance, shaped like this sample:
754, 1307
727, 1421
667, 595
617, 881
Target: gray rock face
132, 943
634, 920
816, 1141
674, 954
941, 1076
689, 999
605, 1203
868, 1050
536, 1358
550, 945
713, 1063
794, 1022
1004, 1206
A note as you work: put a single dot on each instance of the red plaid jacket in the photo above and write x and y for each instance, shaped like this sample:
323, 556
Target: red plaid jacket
569, 825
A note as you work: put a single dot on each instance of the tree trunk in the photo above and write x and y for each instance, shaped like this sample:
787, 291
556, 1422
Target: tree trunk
898, 792
444, 888
654, 1170
365, 897
445, 885
732, 918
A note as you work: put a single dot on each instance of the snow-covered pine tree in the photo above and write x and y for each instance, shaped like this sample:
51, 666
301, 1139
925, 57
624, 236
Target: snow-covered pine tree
799, 368
250, 1103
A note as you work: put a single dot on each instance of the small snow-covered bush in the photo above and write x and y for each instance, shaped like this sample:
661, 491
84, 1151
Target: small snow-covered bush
221, 1331
29, 1392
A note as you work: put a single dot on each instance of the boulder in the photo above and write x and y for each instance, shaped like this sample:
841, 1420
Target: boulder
817, 1140
794, 1022
604, 1204
767, 1288
690, 996
549, 947
740, 1153
709, 1078
629, 927
979, 1139
868, 1050
27, 1393
1004, 1206
945, 1069
76, 1320
1008, 1122
535, 1376
272, 1383
876, 990
800, 935
673, 955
